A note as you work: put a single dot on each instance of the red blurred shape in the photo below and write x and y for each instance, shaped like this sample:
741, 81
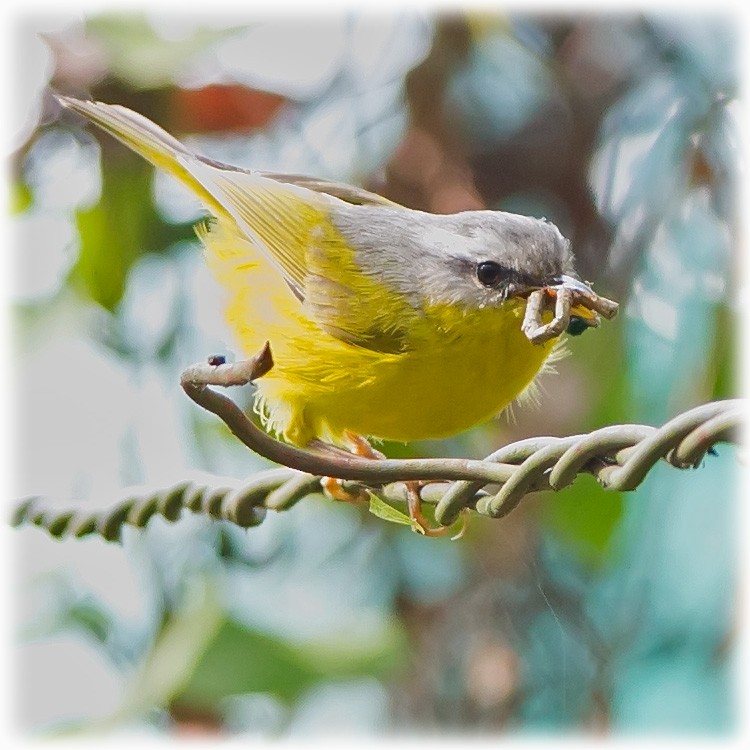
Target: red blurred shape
220, 108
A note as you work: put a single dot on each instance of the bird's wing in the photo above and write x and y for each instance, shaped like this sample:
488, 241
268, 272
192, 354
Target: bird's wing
345, 192
342, 190
293, 226
286, 218
280, 220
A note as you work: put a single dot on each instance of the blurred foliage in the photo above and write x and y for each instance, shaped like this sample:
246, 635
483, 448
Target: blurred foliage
114, 232
581, 610
138, 54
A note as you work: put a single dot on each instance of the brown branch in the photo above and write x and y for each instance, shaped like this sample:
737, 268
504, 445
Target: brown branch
196, 379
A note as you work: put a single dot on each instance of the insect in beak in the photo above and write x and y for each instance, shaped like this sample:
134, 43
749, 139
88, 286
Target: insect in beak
576, 308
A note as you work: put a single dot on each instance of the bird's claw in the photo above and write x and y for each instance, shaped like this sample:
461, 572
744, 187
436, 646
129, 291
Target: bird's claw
414, 504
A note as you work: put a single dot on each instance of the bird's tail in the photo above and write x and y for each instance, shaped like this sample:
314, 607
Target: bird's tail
147, 139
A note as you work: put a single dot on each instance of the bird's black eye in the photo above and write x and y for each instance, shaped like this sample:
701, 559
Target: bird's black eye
490, 273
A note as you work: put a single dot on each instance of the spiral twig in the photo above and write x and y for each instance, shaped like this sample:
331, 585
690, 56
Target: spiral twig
619, 456
244, 505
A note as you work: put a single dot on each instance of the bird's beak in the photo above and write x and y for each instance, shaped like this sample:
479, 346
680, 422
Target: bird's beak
575, 285
521, 289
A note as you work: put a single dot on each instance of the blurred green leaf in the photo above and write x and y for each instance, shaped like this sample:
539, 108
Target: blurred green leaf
112, 232
586, 516
141, 56
21, 197
119, 229
376, 650
724, 357
603, 357
242, 660
89, 617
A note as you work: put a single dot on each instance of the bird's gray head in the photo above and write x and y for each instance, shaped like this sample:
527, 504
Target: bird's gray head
475, 259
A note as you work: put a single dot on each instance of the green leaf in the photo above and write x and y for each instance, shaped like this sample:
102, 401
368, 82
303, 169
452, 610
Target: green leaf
388, 512
242, 660
377, 648
123, 226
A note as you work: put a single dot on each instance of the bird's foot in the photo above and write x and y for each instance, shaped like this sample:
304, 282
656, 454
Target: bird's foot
414, 504
336, 490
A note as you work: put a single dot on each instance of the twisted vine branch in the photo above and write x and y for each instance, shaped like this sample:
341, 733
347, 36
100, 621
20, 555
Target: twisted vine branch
619, 457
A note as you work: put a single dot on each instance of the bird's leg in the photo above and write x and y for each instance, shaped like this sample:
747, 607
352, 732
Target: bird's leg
333, 487
361, 447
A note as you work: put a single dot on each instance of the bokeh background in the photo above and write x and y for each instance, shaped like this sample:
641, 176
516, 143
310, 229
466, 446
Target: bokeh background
583, 611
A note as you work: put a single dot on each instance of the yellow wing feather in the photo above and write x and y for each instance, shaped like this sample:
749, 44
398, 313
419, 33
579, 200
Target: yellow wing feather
279, 221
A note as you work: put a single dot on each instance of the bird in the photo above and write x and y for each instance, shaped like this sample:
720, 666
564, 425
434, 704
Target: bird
385, 322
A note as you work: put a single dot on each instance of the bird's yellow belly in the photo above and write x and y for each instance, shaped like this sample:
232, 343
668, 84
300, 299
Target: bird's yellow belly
432, 391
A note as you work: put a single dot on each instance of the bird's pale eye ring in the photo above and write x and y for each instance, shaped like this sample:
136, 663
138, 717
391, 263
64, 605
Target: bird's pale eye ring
489, 273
